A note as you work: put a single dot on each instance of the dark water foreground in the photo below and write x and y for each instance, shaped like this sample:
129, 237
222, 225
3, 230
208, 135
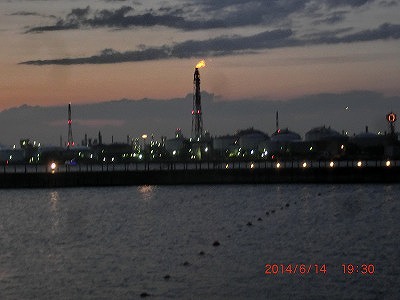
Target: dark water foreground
201, 242
200, 176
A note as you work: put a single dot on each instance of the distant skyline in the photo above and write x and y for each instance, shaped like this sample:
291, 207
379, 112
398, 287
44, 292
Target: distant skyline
348, 112
56, 52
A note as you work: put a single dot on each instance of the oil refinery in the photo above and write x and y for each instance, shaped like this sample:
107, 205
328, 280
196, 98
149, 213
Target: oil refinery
248, 145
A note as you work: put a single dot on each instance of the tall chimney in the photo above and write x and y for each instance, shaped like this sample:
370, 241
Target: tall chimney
197, 120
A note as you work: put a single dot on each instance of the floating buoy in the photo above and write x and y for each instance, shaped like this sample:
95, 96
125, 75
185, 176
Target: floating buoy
216, 243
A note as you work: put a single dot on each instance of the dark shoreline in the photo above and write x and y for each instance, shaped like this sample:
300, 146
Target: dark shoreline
203, 176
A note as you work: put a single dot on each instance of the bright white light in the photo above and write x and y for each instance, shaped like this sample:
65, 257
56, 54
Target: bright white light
304, 165
206, 150
388, 163
278, 165
227, 166
359, 164
53, 166
252, 152
174, 152
331, 164
252, 166
140, 156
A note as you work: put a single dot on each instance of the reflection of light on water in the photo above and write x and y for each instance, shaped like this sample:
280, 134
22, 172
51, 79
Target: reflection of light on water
146, 191
55, 217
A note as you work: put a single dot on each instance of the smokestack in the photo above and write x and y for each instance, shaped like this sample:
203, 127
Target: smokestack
197, 120
70, 142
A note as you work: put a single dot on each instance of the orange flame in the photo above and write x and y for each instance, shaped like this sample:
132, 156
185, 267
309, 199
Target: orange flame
201, 64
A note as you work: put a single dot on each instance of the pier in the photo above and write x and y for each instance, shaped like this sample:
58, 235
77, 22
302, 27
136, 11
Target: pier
211, 172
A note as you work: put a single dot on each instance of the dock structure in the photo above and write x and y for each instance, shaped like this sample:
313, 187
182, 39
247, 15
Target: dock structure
212, 172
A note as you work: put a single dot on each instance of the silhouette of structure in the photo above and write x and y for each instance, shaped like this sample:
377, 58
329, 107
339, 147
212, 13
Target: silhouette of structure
197, 120
70, 142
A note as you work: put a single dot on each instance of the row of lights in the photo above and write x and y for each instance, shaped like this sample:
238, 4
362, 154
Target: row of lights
278, 165
305, 164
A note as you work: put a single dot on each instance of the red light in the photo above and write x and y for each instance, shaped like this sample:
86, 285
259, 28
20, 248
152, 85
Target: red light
192, 112
391, 117
279, 131
198, 112
69, 122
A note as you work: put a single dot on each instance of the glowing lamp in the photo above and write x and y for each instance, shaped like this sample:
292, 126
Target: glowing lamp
53, 167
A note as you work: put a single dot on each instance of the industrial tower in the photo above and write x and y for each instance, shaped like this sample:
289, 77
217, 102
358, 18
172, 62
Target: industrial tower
70, 138
197, 120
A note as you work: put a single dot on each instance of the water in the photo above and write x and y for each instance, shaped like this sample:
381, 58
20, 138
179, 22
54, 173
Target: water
129, 242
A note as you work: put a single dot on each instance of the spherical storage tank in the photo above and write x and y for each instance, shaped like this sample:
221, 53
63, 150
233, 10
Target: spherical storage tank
323, 134
250, 138
285, 135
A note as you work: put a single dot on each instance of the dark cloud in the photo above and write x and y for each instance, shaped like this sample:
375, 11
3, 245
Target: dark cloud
78, 13
383, 32
389, 3
203, 14
108, 56
333, 18
122, 17
25, 13
31, 13
233, 45
352, 3
213, 47
230, 45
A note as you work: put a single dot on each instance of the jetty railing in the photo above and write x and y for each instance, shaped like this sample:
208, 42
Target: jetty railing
198, 165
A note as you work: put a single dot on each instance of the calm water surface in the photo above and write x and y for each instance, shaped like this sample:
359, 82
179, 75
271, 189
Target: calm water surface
159, 242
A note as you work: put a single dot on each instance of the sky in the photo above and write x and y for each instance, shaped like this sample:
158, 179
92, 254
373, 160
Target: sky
56, 52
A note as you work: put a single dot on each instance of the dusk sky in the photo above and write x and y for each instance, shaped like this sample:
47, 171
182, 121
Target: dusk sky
55, 52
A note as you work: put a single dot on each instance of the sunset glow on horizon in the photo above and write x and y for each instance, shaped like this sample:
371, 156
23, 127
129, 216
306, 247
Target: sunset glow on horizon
87, 51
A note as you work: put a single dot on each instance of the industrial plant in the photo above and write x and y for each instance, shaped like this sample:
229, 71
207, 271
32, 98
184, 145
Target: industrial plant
249, 144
